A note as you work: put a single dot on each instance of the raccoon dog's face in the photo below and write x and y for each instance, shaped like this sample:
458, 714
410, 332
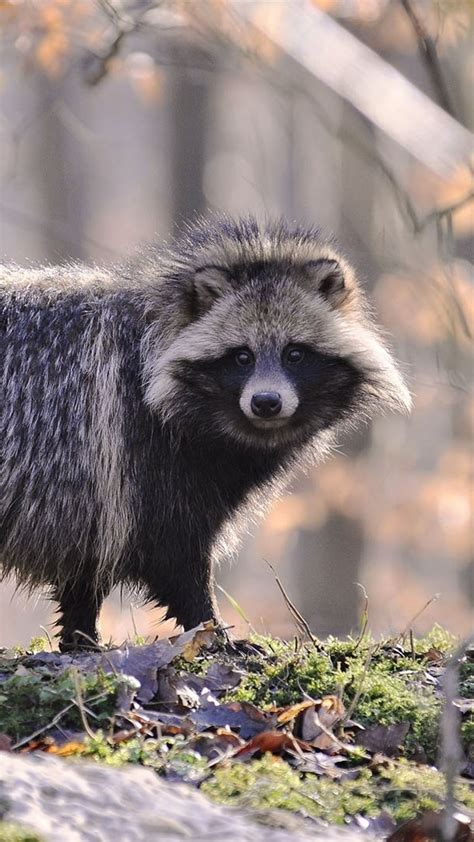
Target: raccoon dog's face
277, 346
266, 380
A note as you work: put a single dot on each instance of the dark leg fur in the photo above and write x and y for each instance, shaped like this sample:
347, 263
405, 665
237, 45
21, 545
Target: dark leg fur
189, 594
79, 606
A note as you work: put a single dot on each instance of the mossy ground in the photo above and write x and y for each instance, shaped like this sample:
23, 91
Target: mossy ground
400, 788
30, 701
384, 683
15, 833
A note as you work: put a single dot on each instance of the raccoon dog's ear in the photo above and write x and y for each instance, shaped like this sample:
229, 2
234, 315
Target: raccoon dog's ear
327, 277
209, 284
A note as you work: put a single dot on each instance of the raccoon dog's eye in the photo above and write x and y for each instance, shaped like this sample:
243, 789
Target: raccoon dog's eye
294, 354
243, 357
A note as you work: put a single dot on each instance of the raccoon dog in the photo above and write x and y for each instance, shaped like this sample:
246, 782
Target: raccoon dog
148, 407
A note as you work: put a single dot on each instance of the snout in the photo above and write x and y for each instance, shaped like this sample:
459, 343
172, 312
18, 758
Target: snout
266, 404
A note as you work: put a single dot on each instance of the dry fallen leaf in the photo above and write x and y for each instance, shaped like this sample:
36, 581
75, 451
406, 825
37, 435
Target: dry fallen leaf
383, 739
40, 744
242, 717
287, 714
6, 742
199, 638
319, 763
429, 828
214, 746
67, 750
315, 722
274, 742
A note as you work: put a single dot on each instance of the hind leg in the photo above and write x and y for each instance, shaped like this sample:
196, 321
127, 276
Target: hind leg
79, 606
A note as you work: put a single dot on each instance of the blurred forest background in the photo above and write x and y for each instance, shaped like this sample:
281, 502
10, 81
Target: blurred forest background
119, 120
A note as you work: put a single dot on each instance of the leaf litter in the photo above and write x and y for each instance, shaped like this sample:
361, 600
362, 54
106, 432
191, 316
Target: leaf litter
236, 720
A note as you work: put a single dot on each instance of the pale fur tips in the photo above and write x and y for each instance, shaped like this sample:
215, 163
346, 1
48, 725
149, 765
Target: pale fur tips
217, 272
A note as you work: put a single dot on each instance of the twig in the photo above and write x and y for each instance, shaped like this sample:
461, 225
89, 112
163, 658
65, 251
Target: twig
447, 210
95, 647
365, 617
300, 621
132, 614
55, 721
451, 750
235, 605
340, 745
360, 688
40, 731
43, 628
429, 55
415, 617
96, 65
80, 704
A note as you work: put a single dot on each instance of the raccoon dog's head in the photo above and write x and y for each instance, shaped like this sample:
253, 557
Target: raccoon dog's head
267, 339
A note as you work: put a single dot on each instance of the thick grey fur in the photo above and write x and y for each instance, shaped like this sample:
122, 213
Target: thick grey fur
129, 455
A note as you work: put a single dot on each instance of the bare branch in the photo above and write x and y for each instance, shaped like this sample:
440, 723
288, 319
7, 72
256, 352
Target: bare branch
355, 72
447, 210
300, 621
451, 750
429, 55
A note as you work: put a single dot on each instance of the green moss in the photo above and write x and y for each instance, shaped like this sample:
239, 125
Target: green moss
388, 680
36, 644
466, 679
402, 789
467, 731
280, 678
438, 638
31, 700
10, 832
387, 700
136, 750
268, 783
167, 753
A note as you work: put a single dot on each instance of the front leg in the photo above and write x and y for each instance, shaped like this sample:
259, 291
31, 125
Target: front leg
186, 586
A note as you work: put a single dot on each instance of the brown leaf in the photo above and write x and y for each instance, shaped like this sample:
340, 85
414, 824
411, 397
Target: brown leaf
384, 739
184, 688
287, 714
319, 763
274, 742
214, 746
316, 720
243, 717
434, 656
5, 742
143, 662
221, 677
428, 828
194, 640
195, 690
41, 744
67, 750
166, 723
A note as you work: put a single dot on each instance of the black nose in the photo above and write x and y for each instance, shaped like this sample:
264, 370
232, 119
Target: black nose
266, 404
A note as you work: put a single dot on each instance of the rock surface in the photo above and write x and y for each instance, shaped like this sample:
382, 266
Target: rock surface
82, 801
